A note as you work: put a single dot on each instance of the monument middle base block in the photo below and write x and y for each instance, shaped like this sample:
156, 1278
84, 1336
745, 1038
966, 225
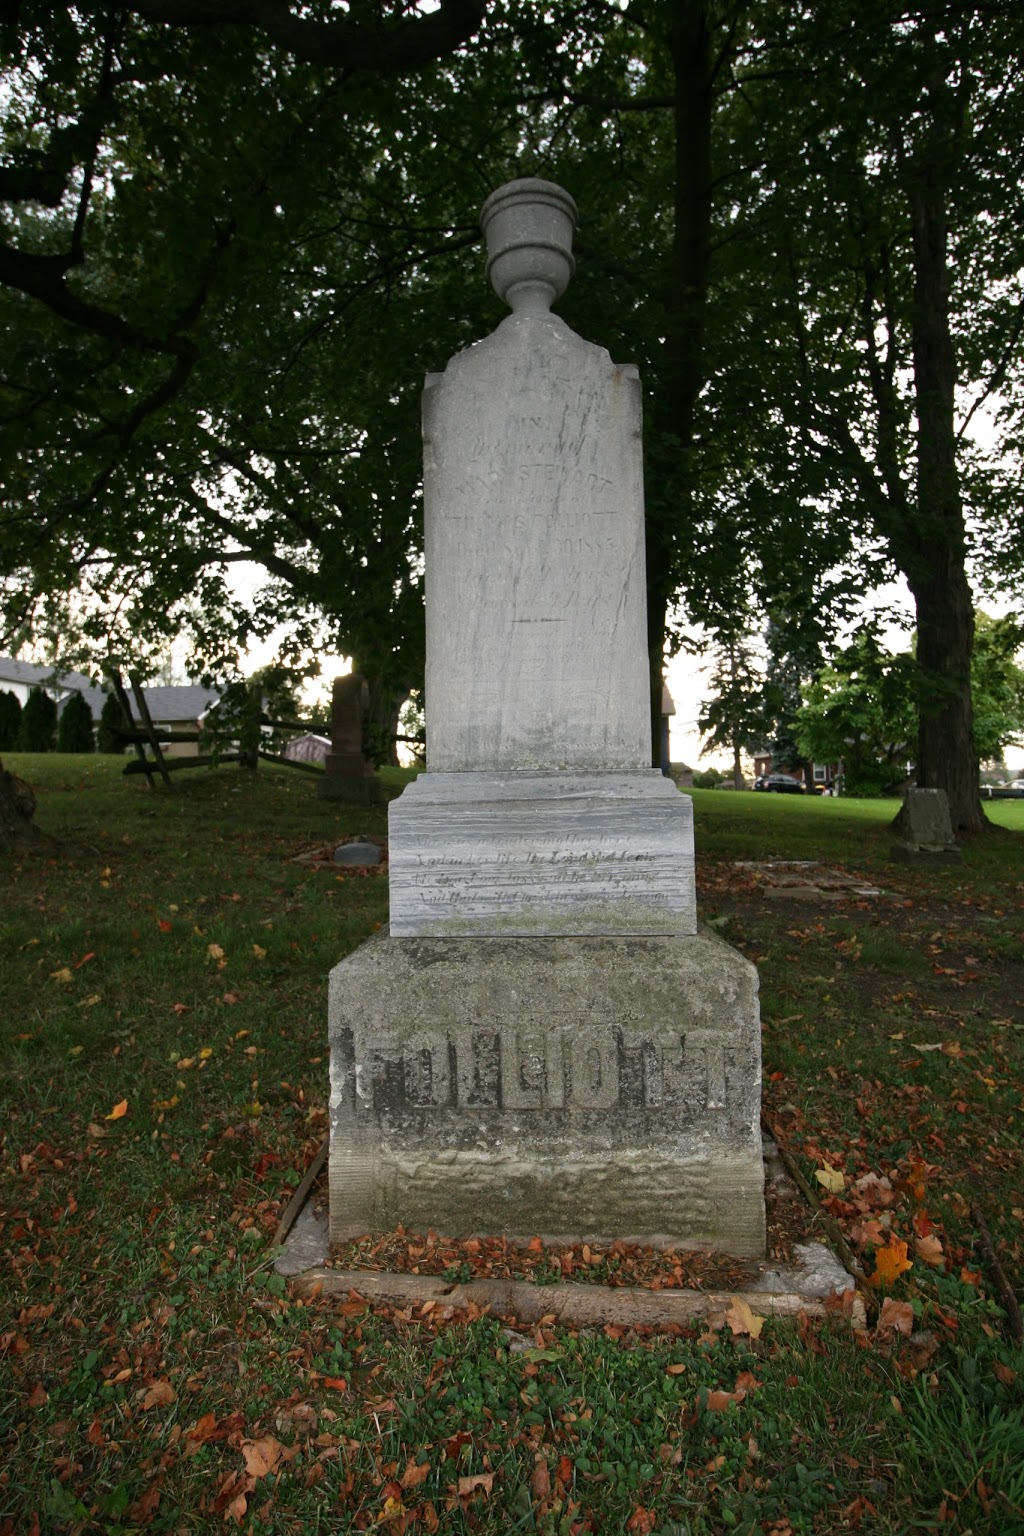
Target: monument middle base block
519, 853
567, 1087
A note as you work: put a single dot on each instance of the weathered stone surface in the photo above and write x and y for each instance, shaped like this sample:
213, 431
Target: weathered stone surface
567, 1087
357, 853
534, 548
543, 1043
529, 225
348, 774
541, 853
571, 1305
307, 1243
538, 813
928, 822
927, 829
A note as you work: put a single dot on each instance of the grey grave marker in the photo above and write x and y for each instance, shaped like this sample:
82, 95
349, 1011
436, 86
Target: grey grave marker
927, 830
543, 1042
348, 774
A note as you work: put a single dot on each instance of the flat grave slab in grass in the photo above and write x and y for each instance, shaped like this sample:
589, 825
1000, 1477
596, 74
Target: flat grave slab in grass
806, 880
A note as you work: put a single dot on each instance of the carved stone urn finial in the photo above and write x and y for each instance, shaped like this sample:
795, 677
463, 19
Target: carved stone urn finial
528, 225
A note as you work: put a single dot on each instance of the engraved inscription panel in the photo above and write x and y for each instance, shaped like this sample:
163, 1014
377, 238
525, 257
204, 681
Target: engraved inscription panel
573, 865
537, 1065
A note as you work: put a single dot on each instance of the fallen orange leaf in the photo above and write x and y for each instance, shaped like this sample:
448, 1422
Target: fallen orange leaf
831, 1179
415, 1474
930, 1250
742, 1320
890, 1262
262, 1456
236, 1509
118, 1112
159, 1395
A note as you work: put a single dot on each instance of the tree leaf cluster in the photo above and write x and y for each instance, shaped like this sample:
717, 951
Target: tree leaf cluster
228, 253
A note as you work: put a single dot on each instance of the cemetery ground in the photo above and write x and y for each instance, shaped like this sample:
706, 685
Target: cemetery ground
163, 973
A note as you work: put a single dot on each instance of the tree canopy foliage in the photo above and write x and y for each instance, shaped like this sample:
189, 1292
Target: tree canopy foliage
862, 708
235, 235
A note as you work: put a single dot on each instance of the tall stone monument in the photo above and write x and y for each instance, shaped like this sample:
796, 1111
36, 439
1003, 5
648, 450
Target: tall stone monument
348, 773
544, 1042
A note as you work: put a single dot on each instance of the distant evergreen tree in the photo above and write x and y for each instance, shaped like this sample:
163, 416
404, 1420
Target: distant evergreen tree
74, 733
38, 723
10, 720
111, 721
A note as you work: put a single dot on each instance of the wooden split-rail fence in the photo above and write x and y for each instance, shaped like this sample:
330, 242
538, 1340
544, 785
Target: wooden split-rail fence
142, 734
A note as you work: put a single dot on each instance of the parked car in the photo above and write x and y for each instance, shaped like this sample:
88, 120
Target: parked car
1012, 791
781, 783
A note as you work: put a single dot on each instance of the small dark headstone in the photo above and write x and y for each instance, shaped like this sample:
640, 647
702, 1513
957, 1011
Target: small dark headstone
348, 774
357, 853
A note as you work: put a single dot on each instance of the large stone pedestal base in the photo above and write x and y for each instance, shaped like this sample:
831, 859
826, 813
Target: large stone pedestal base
566, 1087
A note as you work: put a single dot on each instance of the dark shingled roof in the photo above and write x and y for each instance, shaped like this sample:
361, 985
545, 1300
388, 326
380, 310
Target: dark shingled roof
166, 705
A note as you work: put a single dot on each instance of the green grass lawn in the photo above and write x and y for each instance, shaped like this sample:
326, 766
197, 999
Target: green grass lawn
163, 973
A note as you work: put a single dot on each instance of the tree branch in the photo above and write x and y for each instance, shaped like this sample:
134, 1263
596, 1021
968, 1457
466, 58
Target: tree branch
104, 93
999, 372
42, 278
277, 565
603, 103
336, 44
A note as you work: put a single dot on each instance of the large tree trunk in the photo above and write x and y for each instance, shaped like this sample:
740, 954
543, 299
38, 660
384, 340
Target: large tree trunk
380, 723
17, 806
935, 568
689, 45
946, 757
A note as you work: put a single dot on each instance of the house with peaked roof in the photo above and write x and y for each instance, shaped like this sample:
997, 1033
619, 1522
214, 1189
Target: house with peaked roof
178, 709
20, 677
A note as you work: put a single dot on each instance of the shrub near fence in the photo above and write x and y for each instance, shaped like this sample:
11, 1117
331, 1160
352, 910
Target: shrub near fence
10, 720
75, 731
38, 728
